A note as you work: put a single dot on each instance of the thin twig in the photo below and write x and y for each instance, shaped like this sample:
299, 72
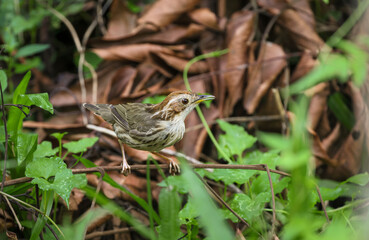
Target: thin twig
273, 198
322, 202
258, 167
14, 214
109, 232
219, 199
94, 81
52, 231
99, 16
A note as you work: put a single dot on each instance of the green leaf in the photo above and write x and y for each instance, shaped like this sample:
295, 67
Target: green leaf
63, 184
45, 167
336, 103
249, 209
22, 87
329, 194
235, 140
189, 213
176, 183
169, 205
80, 145
3, 80
31, 49
44, 149
154, 99
58, 135
361, 179
40, 100
26, 144
92, 58
15, 115
261, 184
240, 176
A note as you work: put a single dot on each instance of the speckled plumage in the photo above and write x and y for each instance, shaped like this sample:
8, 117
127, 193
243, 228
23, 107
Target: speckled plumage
150, 127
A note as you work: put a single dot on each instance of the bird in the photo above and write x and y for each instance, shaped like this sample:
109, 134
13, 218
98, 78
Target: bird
150, 127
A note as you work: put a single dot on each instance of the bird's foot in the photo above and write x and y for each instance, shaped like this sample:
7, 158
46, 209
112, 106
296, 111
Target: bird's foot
126, 169
174, 167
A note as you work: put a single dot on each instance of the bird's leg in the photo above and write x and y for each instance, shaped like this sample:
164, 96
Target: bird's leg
173, 164
126, 169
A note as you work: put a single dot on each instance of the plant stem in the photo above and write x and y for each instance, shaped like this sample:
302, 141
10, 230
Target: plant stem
201, 115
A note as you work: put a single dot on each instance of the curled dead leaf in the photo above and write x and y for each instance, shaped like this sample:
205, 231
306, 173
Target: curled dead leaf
260, 79
240, 32
164, 12
299, 32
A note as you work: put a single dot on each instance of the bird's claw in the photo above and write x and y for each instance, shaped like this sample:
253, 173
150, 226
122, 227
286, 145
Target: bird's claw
126, 169
174, 168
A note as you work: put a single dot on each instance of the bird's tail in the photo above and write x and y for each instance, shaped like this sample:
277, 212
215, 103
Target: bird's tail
103, 110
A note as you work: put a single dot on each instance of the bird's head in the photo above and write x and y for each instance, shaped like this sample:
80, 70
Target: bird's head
177, 105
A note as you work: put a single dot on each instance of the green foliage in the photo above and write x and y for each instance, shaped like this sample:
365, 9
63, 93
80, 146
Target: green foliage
44, 168
31, 49
235, 141
169, 206
20, 97
80, 145
25, 145
154, 99
44, 149
92, 58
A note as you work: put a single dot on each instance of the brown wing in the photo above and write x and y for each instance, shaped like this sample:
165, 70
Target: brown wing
135, 118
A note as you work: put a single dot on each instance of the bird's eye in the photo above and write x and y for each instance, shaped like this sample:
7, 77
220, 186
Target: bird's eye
184, 101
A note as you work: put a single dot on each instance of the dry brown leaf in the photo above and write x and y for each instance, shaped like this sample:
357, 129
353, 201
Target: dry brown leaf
305, 65
164, 12
240, 30
318, 150
121, 20
172, 34
122, 83
72, 95
302, 7
261, 79
204, 17
75, 199
179, 63
318, 105
132, 52
300, 33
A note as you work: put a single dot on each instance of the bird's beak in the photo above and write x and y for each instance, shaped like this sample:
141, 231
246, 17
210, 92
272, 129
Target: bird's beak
202, 98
